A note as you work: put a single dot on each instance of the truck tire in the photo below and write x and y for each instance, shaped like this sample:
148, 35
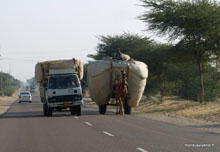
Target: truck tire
102, 109
45, 109
78, 110
127, 109
73, 110
49, 111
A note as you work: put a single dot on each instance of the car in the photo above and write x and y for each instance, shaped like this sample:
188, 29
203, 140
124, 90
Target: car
25, 96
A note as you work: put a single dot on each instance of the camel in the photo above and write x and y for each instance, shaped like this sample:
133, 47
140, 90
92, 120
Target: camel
120, 92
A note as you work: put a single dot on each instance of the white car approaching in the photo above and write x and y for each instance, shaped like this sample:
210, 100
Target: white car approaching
25, 96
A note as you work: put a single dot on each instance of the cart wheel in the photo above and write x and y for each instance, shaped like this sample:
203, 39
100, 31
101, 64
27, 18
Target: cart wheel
127, 109
102, 109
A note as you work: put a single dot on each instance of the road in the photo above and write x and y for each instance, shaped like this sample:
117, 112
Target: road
24, 129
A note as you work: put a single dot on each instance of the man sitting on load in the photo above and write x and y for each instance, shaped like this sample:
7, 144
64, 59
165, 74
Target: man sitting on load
118, 55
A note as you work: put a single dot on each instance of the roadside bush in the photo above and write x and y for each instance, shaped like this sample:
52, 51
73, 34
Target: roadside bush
8, 91
156, 99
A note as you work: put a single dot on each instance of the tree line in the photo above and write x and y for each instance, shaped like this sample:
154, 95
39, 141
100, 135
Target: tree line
189, 67
8, 84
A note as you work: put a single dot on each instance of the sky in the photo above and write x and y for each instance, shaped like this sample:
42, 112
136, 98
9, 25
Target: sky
32, 31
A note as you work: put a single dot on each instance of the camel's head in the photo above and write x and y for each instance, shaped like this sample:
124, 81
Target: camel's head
123, 73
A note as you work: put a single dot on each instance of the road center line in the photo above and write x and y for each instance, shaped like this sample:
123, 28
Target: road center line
89, 124
141, 149
76, 117
107, 133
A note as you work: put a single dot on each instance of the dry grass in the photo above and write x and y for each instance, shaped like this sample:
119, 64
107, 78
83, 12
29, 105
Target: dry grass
176, 107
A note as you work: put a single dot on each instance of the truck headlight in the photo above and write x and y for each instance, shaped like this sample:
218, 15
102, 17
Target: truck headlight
78, 98
52, 100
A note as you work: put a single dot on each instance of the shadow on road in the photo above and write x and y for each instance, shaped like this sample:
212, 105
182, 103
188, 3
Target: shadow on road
216, 126
22, 115
38, 114
210, 126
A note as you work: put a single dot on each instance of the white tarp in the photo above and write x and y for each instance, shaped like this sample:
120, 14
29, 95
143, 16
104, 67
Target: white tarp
42, 68
101, 75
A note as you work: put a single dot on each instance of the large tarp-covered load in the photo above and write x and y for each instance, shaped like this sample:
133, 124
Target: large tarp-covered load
101, 76
42, 68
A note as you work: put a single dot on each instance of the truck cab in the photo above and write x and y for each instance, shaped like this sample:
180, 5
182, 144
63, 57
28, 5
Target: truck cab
63, 90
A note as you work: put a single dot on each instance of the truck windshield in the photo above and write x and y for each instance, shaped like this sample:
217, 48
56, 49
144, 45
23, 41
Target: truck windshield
63, 82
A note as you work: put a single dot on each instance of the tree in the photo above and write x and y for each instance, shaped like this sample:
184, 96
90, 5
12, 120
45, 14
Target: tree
195, 23
127, 42
8, 84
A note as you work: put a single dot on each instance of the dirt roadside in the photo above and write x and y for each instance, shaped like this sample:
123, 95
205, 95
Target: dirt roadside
6, 102
205, 116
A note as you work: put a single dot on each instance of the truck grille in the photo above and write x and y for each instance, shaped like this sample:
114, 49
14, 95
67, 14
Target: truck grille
57, 99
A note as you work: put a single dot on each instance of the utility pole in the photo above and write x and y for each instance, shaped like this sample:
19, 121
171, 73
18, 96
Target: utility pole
2, 90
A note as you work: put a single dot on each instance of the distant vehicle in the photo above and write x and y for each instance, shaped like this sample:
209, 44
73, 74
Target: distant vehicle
27, 88
32, 89
25, 96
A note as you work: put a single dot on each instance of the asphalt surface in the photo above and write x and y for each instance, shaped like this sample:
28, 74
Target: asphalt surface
24, 129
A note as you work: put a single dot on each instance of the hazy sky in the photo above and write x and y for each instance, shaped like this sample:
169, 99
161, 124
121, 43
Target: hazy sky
39, 30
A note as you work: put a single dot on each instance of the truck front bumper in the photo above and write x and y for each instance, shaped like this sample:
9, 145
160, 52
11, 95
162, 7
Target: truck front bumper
65, 104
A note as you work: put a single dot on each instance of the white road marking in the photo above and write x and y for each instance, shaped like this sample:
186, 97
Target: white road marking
107, 133
89, 124
141, 149
76, 117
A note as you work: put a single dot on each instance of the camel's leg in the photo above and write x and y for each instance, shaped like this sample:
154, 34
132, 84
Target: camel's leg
117, 108
121, 107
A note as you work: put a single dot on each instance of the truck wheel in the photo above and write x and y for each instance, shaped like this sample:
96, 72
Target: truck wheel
78, 110
73, 110
102, 109
45, 109
49, 111
127, 109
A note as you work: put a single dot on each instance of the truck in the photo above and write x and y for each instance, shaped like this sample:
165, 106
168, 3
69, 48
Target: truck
60, 86
32, 88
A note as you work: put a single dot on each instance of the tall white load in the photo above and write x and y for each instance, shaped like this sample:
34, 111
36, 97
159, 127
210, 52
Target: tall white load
101, 75
42, 68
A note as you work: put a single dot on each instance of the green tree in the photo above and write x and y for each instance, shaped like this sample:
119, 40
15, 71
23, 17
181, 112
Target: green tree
195, 23
8, 84
127, 42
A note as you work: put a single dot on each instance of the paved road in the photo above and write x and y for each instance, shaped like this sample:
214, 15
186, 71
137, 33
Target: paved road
24, 129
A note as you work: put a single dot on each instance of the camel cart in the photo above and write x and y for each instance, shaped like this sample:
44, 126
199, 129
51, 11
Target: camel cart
101, 75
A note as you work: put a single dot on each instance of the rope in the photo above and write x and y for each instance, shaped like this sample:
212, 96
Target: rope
111, 73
